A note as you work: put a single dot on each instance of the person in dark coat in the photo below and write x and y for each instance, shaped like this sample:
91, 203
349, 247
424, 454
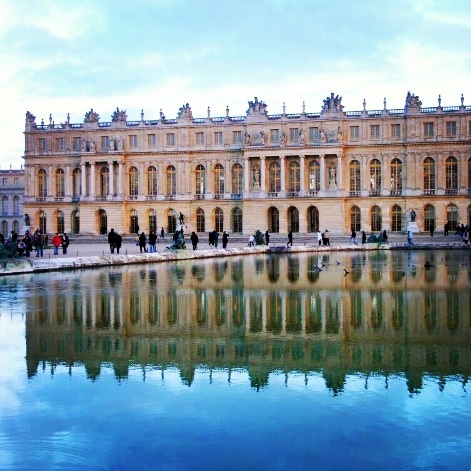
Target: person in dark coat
118, 242
194, 240
112, 240
152, 242
65, 243
225, 239
142, 242
363, 237
290, 239
211, 238
162, 233
267, 237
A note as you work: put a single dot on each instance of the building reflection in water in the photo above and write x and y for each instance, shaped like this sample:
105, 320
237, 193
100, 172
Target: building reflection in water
388, 316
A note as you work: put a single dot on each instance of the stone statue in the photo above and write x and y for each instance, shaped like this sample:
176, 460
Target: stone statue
91, 117
412, 101
119, 116
263, 138
256, 178
339, 134
247, 138
332, 174
302, 137
92, 147
185, 112
30, 118
84, 145
283, 138
120, 144
27, 221
322, 135
112, 143
332, 103
257, 107
412, 215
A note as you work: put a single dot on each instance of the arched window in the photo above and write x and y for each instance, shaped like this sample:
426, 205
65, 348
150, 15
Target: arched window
152, 220
294, 177
60, 190
171, 221
104, 182
429, 218
396, 214
16, 205
273, 220
43, 221
237, 179
76, 183
355, 178
375, 177
274, 177
171, 181
133, 222
429, 176
219, 187
452, 215
355, 218
76, 222
5, 229
42, 183
312, 219
60, 222
16, 226
200, 175
5, 205
133, 182
200, 221
151, 181
375, 218
451, 176
219, 219
314, 177
396, 177
102, 221
293, 219
237, 220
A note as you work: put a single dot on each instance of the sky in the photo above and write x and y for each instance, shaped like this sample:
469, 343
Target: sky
59, 57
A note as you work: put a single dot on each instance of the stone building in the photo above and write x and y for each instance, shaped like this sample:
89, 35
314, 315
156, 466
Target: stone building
12, 188
334, 169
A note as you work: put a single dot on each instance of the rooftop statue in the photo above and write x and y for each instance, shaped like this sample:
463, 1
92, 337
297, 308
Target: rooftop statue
30, 118
257, 107
185, 112
119, 116
412, 101
332, 103
91, 117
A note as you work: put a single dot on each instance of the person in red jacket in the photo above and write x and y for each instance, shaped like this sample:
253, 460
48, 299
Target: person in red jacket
56, 243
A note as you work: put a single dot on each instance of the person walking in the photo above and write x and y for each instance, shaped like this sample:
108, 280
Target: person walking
432, 229
152, 242
225, 239
353, 237
118, 242
410, 238
112, 239
290, 239
319, 238
142, 242
162, 233
65, 243
39, 243
267, 237
327, 237
215, 238
56, 243
363, 237
194, 240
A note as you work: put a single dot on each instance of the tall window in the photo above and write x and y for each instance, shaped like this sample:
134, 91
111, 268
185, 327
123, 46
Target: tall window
60, 222
312, 219
5, 205
42, 183
375, 177
237, 137
354, 133
152, 220
451, 128
452, 215
451, 176
374, 131
219, 187
375, 218
42, 144
60, 192
396, 223
274, 171
200, 175
171, 221
171, 181
237, 179
5, 227
77, 144
76, 182
151, 140
218, 138
133, 222
428, 130
60, 144
429, 176
200, 220
170, 139
274, 136
199, 138
105, 143
151, 181
314, 177
133, 141
293, 219
219, 219
396, 177
16, 205
395, 131
237, 220
133, 181
294, 177
355, 178
429, 218
104, 182
294, 135
355, 218
273, 220
313, 134
43, 222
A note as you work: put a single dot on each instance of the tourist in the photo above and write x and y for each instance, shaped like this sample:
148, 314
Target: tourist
466, 235
267, 237
327, 237
363, 237
384, 236
142, 243
251, 240
215, 238
39, 242
211, 239
194, 240
432, 229
28, 244
152, 242
353, 237
118, 241
319, 237
225, 239
56, 243
65, 243
162, 233
112, 240
445, 228
410, 238
290, 239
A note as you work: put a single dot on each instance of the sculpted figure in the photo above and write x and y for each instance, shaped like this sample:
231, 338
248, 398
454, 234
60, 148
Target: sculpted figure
92, 147
112, 143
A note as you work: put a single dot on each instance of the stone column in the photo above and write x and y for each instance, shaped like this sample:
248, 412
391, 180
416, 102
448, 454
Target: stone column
111, 179
262, 174
50, 182
246, 175
142, 190
339, 172
282, 175
67, 182
92, 180
322, 172
120, 179
83, 175
302, 186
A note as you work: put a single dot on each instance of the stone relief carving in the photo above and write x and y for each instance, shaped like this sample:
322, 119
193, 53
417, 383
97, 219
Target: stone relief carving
263, 138
91, 117
247, 138
119, 116
185, 112
332, 103
322, 135
257, 107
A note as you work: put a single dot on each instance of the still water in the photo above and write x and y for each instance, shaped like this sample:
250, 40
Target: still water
263, 362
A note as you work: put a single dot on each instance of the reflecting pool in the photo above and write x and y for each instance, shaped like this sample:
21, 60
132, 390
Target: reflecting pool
310, 361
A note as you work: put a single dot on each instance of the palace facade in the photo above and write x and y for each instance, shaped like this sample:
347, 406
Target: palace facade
12, 188
335, 169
